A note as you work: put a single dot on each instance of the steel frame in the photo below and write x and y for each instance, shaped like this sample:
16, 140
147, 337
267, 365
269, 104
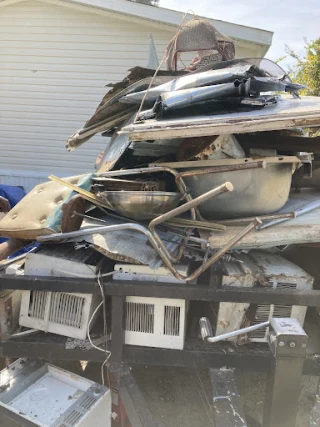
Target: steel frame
196, 353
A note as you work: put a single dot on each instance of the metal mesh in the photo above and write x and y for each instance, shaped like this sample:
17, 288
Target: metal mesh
198, 35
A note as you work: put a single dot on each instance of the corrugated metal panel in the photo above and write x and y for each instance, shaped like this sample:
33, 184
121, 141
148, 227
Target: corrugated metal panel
54, 63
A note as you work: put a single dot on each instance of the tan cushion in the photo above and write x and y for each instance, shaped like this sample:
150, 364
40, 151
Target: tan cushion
39, 212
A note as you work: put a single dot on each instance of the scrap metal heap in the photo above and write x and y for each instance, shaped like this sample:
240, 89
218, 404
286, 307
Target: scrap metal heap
197, 174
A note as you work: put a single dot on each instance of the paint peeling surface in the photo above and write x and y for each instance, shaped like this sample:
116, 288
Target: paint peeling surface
287, 113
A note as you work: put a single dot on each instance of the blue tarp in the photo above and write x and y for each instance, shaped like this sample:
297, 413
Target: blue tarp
13, 195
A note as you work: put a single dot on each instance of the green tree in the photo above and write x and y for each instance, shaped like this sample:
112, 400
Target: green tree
148, 2
307, 68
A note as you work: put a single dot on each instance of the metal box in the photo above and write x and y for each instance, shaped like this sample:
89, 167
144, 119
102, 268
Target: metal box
36, 394
259, 268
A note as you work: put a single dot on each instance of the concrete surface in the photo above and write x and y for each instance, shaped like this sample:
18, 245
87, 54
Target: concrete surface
179, 397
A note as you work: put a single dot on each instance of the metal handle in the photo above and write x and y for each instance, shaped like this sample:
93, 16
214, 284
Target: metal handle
205, 328
207, 335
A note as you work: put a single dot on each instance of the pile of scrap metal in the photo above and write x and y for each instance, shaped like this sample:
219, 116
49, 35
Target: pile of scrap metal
196, 176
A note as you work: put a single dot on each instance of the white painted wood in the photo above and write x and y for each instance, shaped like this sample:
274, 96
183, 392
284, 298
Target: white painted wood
289, 112
55, 59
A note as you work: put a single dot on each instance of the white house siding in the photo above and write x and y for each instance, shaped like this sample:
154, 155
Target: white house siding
54, 63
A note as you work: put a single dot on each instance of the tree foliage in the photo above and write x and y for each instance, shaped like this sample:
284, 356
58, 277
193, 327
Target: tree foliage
148, 2
307, 68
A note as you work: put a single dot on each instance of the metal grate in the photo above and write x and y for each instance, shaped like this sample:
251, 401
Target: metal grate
282, 311
265, 311
139, 317
88, 402
37, 304
171, 320
66, 309
262, 315
73, 418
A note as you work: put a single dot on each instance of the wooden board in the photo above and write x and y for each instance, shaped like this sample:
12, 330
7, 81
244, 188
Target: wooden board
288, 113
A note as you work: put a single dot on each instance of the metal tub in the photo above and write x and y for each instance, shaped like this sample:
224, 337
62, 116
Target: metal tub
256, 191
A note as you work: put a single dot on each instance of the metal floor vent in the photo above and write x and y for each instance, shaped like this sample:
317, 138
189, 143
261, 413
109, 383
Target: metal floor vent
66, 309
58, 312
37, 304
140, 317
155, 322
171, 320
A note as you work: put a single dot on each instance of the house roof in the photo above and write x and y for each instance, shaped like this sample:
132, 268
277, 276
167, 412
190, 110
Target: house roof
166, 17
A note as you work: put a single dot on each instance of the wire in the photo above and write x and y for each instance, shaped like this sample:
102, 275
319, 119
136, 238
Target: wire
105, 331
165, 57
107, 352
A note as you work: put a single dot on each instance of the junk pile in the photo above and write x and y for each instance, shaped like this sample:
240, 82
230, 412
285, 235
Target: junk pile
196, 176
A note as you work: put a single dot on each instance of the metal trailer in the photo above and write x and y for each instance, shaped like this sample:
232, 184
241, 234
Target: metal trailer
285, 359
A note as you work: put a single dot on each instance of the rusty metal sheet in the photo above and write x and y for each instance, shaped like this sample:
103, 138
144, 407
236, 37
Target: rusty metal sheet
210, 148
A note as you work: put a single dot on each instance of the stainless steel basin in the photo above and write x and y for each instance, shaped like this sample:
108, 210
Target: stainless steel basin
256, 191
141, 205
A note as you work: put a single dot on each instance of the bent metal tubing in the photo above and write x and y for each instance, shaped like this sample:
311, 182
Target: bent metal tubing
181, 186
155, 240
156, 243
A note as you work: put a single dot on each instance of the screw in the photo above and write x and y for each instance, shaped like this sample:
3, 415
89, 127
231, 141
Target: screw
281, 344
292, 344
304, 345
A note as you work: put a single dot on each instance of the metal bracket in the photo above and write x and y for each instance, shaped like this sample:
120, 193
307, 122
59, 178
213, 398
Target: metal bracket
288, 343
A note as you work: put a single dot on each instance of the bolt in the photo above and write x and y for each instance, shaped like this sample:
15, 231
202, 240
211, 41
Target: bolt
304, 345
281, 344
292, 344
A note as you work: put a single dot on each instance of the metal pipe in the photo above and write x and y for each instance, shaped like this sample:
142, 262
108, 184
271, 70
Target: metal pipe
224, 250
201, 225
158, 246
261, 217
184, 208
206, 331
181, 186
191, 204
305, 209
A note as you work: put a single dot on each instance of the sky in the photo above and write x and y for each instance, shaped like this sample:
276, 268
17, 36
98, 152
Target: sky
291, 21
